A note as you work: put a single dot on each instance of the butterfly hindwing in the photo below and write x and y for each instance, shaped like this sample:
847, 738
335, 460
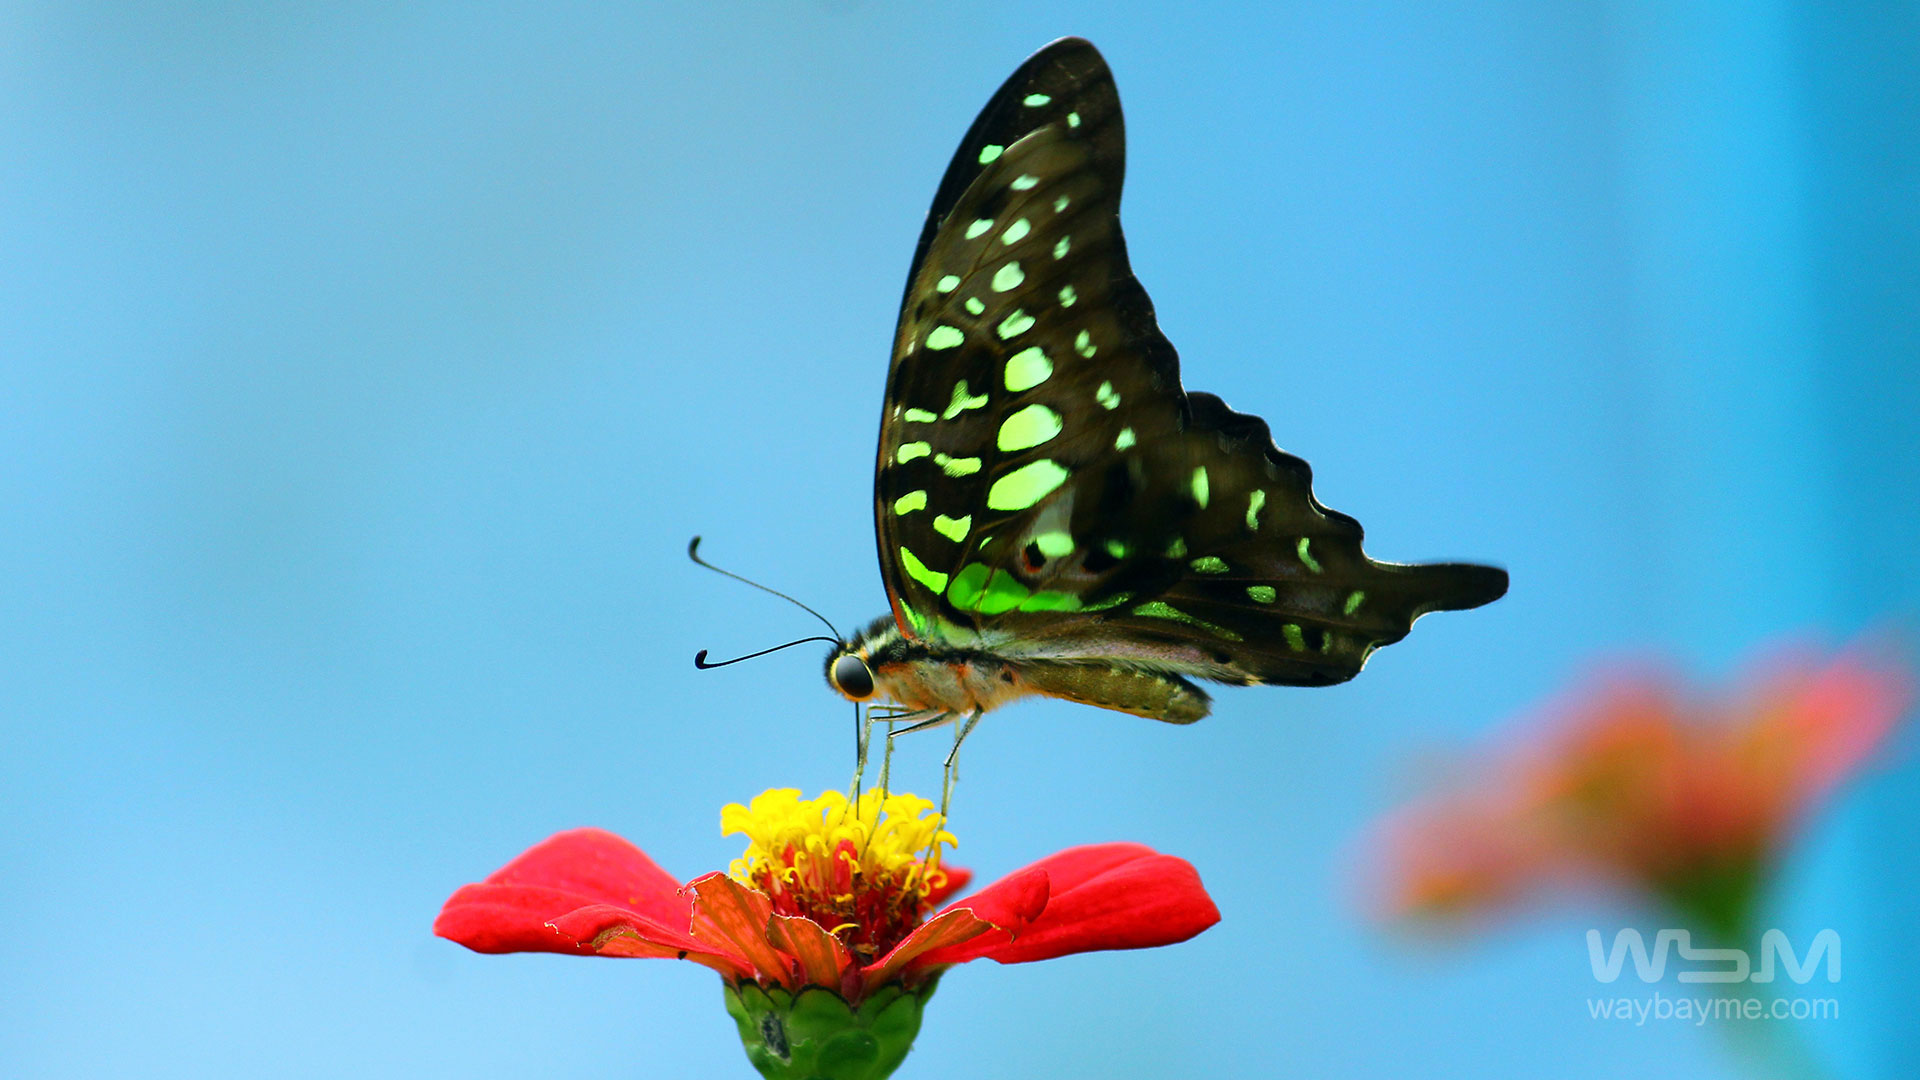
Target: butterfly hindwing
1209, 556
1046, 490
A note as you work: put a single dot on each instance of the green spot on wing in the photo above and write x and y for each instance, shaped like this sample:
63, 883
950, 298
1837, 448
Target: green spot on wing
1008, 277
944, 337
1261, 594
1028, 368
909, 451
1117, 549
1073, 119
961, 402
1060, 204
1032, 100
949, 282
1110, 602
1083, 344
1026, 485
932, 579
1306, 556
989, 593
957, 466
1029, 427
1199, 485
990, 153
1157, 609
1054, 544
919, 416
1177, 549
915, 620
1254, 502
975, 306
911, 501
1068, 296
1049, 600
1106, 396
1017, 231
1295, 639
1015, 324
1209, 564
954, 529
1025, 182
965, 590
1004, 593
1354, 600
980, 225
1124, 440
1062, 246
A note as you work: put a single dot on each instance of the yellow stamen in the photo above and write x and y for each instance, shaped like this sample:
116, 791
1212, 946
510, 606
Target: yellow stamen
864, 870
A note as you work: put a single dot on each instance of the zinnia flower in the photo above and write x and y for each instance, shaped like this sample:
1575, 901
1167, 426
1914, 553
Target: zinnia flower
1640, 784
825, 932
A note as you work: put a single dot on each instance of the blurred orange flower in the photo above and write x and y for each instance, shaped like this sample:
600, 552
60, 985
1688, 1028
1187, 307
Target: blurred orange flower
1639, 783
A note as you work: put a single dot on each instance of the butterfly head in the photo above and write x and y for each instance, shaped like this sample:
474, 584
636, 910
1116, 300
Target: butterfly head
873, 662
848, 673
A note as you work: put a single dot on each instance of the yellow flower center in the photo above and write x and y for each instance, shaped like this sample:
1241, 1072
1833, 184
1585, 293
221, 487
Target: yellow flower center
863, 871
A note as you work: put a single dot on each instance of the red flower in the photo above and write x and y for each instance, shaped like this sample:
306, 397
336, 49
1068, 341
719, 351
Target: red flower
1646, 785
589, 892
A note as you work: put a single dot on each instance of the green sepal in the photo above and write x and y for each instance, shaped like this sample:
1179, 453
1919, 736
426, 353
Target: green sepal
815, 1034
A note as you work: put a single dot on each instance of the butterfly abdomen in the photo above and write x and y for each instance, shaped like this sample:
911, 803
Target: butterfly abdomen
1156, 695
967, 683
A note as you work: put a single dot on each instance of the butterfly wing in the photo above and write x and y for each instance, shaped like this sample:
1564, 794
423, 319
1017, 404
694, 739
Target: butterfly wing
1046, 490
1038, 172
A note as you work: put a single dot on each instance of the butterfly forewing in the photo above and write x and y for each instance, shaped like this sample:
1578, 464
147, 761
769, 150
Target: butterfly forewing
1021, 334
1046, 490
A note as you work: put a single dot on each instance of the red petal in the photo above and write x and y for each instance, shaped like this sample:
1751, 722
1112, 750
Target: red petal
728, 913
607, 930
1014, 900
1004, 908
592, 883
599, 868
508, 918
1068, 869
823, 960
943, 931
1109, 896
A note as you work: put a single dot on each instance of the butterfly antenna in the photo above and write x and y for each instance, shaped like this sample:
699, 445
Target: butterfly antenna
700, 658
693, 552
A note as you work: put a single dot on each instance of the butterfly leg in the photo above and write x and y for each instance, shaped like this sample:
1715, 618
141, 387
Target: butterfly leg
863, 738
918, 721
862, 735
915, 719
886, 758
951, 773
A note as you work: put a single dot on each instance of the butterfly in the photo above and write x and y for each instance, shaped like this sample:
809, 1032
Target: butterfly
1055, 515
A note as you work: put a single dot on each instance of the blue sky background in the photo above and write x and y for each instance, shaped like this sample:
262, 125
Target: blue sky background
364, 371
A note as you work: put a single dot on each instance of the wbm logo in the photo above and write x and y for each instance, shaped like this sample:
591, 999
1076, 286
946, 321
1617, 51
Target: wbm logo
1652, 967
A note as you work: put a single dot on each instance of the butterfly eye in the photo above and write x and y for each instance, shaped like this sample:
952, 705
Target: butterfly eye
850, 676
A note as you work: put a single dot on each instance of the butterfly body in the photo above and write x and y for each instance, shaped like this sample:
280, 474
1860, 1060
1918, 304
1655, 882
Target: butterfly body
1055, 515
932, 677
